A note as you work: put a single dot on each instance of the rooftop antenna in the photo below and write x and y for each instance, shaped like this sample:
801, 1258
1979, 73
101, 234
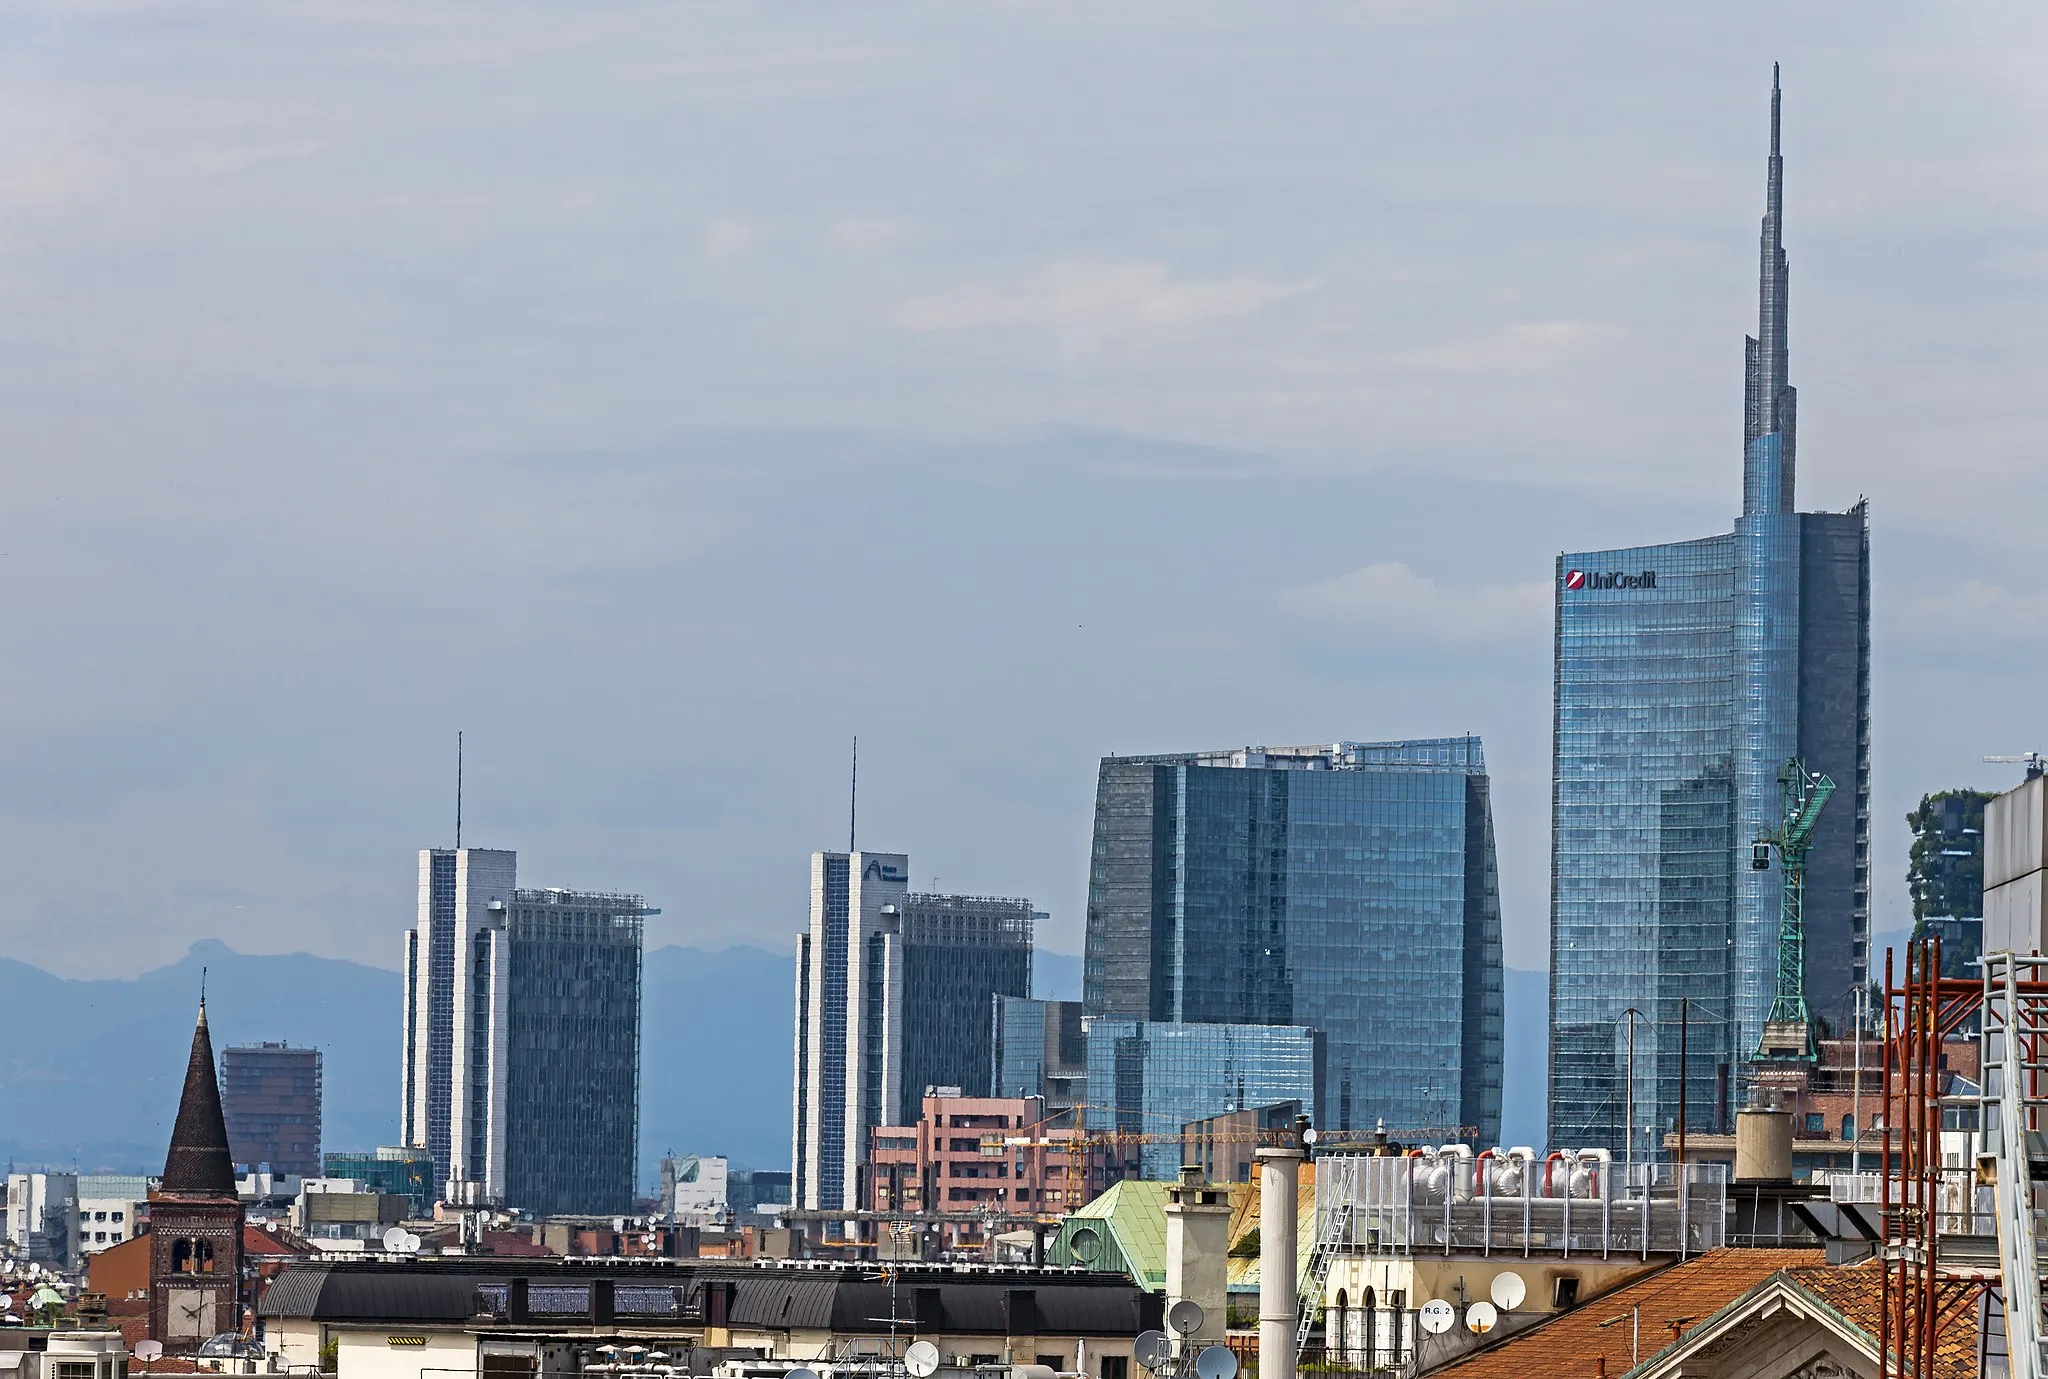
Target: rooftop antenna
458, 789
853, 796
202, 988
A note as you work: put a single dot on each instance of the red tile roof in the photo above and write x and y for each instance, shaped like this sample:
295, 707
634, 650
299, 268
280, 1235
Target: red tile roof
1567, 1346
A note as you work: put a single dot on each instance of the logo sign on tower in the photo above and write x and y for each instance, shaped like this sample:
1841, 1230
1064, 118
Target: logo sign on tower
1575, 580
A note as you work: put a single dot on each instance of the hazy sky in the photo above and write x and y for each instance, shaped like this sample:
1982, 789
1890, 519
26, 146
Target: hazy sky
665, 393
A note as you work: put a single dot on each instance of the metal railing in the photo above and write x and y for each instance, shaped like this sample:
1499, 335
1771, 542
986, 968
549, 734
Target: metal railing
1447, 1202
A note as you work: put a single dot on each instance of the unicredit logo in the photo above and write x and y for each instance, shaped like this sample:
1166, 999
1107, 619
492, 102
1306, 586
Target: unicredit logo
1575, 580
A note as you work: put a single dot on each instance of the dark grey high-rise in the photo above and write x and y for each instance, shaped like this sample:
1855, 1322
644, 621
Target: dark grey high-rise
1686, 675
1350, 888
522, 1037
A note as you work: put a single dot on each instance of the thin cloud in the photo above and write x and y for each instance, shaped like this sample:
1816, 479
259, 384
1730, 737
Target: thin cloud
1392, 599
1095, 296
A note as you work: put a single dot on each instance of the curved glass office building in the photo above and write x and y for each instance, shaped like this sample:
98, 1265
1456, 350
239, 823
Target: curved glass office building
1686, 674
1346, 888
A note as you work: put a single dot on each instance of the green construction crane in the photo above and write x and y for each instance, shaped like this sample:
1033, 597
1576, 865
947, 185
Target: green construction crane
1788, 1030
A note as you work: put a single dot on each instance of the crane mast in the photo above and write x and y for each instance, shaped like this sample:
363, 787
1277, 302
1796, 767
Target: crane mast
1788, 1030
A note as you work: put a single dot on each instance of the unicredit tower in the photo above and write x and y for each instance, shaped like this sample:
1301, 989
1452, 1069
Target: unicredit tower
1686, 675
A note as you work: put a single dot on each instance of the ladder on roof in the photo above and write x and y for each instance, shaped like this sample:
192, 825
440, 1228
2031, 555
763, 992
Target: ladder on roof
1333, 1232
2015, 1096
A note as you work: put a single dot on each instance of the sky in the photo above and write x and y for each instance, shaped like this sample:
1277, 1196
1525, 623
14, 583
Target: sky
662, 395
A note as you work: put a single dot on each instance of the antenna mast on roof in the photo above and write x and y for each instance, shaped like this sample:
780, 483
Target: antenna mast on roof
853, 797
458, 789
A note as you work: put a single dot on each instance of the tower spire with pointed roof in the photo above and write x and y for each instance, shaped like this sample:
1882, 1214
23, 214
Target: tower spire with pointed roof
199, 1161
1771, 414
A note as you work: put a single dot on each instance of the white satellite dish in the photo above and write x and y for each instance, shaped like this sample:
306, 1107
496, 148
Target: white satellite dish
6, 1302
921, 1358
1508, 1290
1480, 1318
1438, 1316
801, 1372
412, 1243
1153, 1350
1186, 1316
149, 1350
394, 1239
1216, 1362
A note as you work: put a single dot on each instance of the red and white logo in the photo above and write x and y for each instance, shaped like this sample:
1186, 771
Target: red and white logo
1574, 579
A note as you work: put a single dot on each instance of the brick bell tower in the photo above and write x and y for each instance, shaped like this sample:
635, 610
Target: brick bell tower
195, 1219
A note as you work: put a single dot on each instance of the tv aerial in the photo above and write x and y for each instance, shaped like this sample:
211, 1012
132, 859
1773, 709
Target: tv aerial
1438, 1316
1153, 1350
1186, 1316
1215, 1362
921, 1359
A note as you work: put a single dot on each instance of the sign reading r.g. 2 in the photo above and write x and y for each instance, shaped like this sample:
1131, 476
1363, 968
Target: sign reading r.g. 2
1575, 580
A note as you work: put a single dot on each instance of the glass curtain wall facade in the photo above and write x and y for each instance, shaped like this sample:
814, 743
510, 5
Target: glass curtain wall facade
1039, 1051
1686, 675
572, 1061
1156, 1078
1348, 888
894, 993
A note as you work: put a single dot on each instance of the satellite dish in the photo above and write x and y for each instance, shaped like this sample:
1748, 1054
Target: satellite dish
149, 1350
1216, 1362
1309, 1135
1480, 1318
1508, 1291
412, 1243
394, 1239
1186, 1316
1153, 1350
801, 1372
1438, 1316
6, 1302
921, 1358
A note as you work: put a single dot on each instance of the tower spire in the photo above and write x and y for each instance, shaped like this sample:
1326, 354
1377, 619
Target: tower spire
1770, 414
199, 1160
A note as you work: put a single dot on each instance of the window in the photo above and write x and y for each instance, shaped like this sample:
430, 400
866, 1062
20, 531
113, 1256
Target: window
99, 1237
1848, 1127
99, 1216
74, 1369
1816, 1124
117, 1216
1116, 1367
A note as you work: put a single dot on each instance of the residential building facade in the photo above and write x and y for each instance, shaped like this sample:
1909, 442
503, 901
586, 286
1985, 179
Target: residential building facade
1350, 888
1686, 676
42, 1217
893, 994
270, 1094
983, 1160
523, 1037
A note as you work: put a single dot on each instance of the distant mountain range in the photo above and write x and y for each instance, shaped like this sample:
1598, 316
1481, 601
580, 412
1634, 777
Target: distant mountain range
90, 1070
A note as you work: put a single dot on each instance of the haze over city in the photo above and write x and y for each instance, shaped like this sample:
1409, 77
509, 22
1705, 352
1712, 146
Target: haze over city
664, 396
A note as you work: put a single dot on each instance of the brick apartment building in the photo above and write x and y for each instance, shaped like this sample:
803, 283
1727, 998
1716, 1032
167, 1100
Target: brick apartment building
987, 1162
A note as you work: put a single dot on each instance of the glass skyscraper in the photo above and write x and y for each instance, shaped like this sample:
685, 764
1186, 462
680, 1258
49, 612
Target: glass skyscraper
1686, 675
1349, 888
1155, 1079
893, 995
522, 1037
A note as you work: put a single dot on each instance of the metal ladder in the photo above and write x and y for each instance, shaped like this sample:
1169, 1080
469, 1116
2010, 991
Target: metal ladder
1334, 1230
2015, 1094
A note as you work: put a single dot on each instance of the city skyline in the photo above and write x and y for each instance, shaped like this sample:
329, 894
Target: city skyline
1071, 359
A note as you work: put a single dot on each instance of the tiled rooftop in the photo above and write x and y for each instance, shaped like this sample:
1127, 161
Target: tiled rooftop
1567, 1346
